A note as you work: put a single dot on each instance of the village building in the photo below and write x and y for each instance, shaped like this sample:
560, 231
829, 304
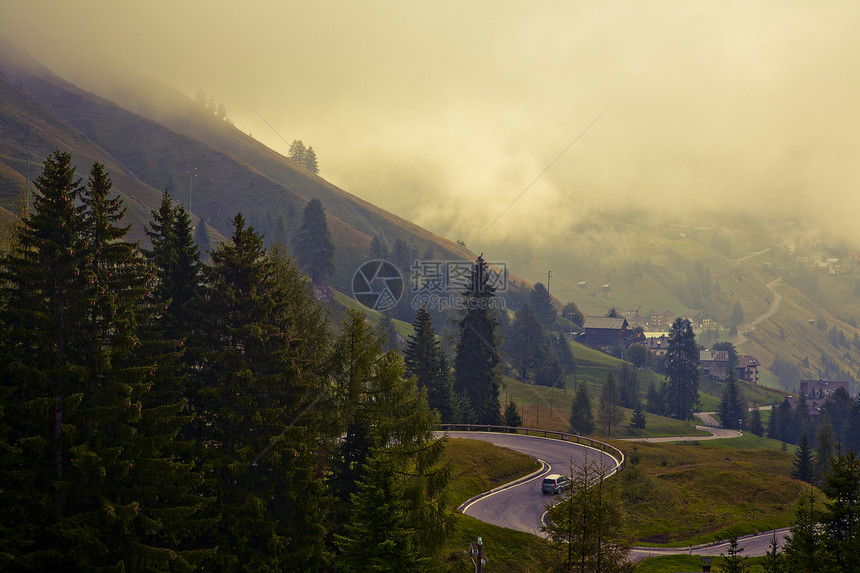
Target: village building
605, 331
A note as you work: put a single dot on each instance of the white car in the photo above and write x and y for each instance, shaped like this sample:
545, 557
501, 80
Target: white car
555, 484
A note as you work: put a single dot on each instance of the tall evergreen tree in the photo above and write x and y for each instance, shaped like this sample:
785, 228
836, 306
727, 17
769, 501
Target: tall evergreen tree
733, 407
475, 365
201, 238
258, 378
526, 343
310, 161
512, 415
425, 360
638, 419
772, 423
298, 151
175, 259
313, 247
382, 411
682, 370
378, 250
756, 426
609, 409
543, 306
628, 387
581, 416
823, 447
841, 520
804, 547
804, 462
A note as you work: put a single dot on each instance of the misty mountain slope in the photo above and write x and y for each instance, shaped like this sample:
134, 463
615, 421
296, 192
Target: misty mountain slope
226, 172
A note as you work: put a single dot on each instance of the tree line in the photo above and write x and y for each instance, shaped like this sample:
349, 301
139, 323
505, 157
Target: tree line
160, 414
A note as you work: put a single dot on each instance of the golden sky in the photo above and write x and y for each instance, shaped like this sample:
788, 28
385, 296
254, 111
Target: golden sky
444, 111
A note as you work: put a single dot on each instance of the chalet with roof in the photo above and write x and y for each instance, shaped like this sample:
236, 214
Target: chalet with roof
605, 331
714, 363
660, 321
747, 368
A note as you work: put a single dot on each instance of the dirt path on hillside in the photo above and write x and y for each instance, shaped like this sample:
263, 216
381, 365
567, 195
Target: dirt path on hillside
774, 307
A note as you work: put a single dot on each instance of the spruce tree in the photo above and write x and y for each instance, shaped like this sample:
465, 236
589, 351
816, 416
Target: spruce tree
512, 415
425, 360
543, 306
313, 247
476, 372
823, 447
733, 407
310, 161
378, 250
628, 386
682, 371
298, 151
804, 462
581, 416
756, 426
201, 239
638, 419
527, 344
383, 413
841, 520
257, 383
609, 409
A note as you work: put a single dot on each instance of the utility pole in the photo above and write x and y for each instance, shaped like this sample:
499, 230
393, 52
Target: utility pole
191, 174
479, 553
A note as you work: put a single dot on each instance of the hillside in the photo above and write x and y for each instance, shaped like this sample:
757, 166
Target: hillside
231, 171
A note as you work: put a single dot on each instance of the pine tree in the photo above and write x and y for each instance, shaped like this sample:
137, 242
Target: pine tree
376, 536
804, 462
772, 423
425, 360
628, 387
258, 379
682, 371
581, 416
313, 247
734, 563
773, 558
201, 239
756, 426
279, 232
804, 545
382, 411
823, 447
512, 415
841, 520
609, 409
298, 151
378, 250
733, 407
638, 419
310, 161
475, 365
543, 306
526, 344
175, 259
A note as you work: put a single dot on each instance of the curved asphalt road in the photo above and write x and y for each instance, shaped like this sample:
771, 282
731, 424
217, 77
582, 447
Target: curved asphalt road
521, 505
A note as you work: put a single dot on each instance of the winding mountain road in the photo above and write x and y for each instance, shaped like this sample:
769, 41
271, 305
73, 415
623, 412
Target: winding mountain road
772, 310
520, 504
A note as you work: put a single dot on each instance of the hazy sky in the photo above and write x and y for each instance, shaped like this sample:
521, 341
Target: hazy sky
445, 111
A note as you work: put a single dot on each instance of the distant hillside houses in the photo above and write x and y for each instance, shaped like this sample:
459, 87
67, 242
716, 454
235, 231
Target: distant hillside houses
821, 389
715, 364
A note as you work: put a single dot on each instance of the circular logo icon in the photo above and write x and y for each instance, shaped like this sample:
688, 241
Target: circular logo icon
377, 285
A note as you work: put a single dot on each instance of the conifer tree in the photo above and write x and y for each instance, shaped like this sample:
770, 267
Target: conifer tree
628, 386
425, 360
804, 462
175, 259
477, 358
310, 161
609, 408
313, 247
512, 415
756, 426
258, 378
804, 547
823, 447
378, 250
543, 306
381, 412
638, 419
733, 407
527, 344
842, 517
682, 370
298, 151
581, 416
